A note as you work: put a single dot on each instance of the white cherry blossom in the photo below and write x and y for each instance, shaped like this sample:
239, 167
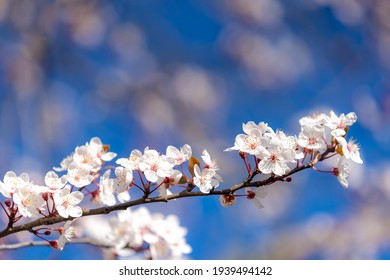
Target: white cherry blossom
123, 180
204, 179
250, 143
12, 182
211, 164
274, 160
342, 172
106, 189
66, 202
29, 200
64, 163
156, 166
312, 138
79, 175
313, 120
53, 182
132, 162
101, 151
167, 182
339, 124
180, 156
85, 156
350, 149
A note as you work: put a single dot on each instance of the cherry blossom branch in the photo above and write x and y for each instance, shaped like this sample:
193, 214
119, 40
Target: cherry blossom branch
186, 193
87, 241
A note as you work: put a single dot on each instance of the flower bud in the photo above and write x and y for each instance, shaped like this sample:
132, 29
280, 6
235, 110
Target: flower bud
288, 179
243, 155
250, 195
45, 196
48, 232
7, 203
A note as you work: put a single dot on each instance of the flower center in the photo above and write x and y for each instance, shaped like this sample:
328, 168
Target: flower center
274, 158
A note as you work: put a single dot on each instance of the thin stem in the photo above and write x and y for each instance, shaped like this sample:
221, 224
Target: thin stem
2, 206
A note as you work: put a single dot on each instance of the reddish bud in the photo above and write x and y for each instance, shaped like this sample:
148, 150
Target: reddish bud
288, 179
251, 194
7, 203
54, 244
45, 196
242, 154
48, 232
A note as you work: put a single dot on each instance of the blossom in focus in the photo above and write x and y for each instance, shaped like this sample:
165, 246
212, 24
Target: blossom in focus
106, 189
79, 175
66, 202
101, 151
93, 154
156, 166
313, 120
250, 143
312, 138
53, 182
204, 179
180, 156
342, 172
339, 124
132, 162
123, 180
274, 160
211, 164
167, 182
350, 149
12, 182
29, 200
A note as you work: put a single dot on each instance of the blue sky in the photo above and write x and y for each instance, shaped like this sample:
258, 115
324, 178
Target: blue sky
158, 73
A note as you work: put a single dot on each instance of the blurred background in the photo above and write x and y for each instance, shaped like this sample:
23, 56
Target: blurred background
157, 73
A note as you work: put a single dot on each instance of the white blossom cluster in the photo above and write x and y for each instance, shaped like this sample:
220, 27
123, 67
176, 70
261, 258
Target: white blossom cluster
277, 153
273, 152
139, 231
85, 174
57, 195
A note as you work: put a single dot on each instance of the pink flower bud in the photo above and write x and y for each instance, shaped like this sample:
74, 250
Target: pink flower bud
7, 203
